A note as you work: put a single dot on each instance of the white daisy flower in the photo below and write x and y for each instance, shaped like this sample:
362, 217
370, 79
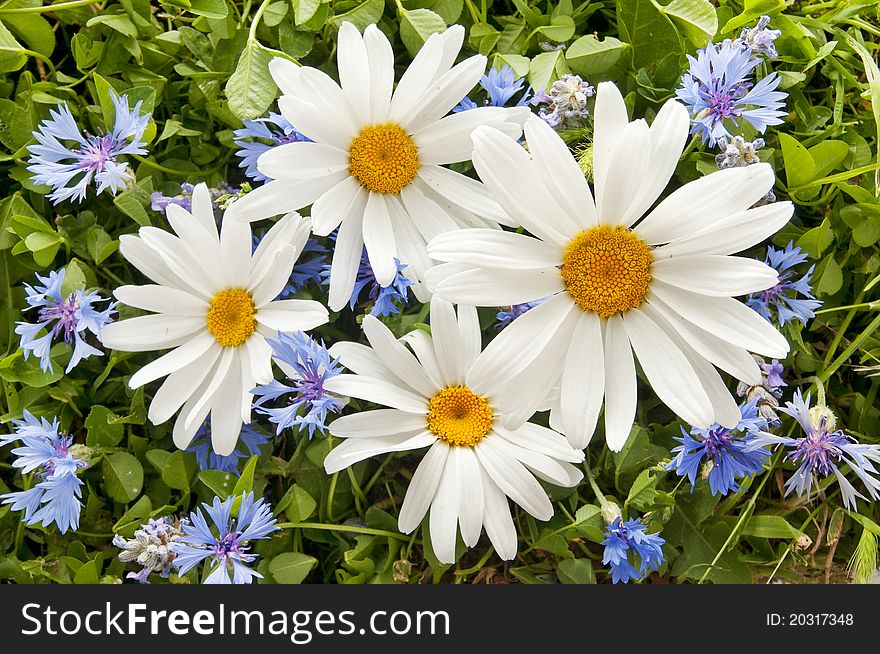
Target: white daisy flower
482, 450
213, 303
662, 286
375, 166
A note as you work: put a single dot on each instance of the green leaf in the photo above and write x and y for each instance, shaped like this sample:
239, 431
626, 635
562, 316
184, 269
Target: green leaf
303, 10
99, 431
546, 68
291, 567
560, 29
134, 517
770, 526
208, 8
416, 26
799, 164
592, 57
33, 29
14, 368
88, 573
158, 458
829, 276
245, 483
297, 504
119, 22
129, 203
364, 14
12, 55
643, 491
576, 571
651, 34
696, 19
218, 481
123, 477
176, 473
827, 156
816, 240
250, 89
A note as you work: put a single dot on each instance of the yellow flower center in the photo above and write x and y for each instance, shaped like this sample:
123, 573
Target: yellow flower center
383, 158
459, 417
607, 269
231, 317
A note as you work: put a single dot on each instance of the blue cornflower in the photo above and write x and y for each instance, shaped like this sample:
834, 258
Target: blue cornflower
822, 450
56, 497
501, 85
228, 543
310, 270
307, 365
159, 201
249, 443
783, 296
511, 313
717, 90
386, 299
70, 169
624, 540
260, 135
759, 40
71, 316
566, 102
727, 452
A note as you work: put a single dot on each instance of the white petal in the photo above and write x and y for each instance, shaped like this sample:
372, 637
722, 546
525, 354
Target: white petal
444, 513
444, 331
182, 433
381, 61
541, 439
324, 93
627, 168
226, 370
354, 71
174, 360
449, 139
704, 201
397, 357
203, 208
259, 358
377, 390
155, 332
463, 191
346, 260
495, 248
161, 299
302, 160
291, 230
496, 518
379, 239
522, 341
715, 275
411, 248
277, 197
286, 76
226, 416
670, 374
668, 134
512, 477
733, 233
422, 487
445, 93
316, 121
493, 287
352, 450
148, 261
236, 245
470, 493
428, 217
543, 466
515, 181
620, 385
469, 334
726, 318
293, 315
423, 346
730, 358
182, 261
360, 359
609, 120
583, 381
377, 423
180, 386
561, 172
346, 199
417, 77
268, 288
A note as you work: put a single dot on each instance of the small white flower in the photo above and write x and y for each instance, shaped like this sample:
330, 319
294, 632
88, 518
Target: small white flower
482, 449
213, 303
374, 167
619, 276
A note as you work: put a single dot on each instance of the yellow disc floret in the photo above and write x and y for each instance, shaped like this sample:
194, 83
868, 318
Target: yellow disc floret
383, 158
231, 317
607, 269
458, 416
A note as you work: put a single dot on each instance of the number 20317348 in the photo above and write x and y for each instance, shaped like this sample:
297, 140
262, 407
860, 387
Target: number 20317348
810, 619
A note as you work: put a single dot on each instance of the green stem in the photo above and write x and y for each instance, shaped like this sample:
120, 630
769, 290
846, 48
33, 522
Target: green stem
848, 352
252, 34
75, 4
369, 531
861, 305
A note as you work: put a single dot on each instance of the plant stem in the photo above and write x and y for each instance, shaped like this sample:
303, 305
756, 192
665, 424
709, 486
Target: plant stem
74, 4
349, 528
